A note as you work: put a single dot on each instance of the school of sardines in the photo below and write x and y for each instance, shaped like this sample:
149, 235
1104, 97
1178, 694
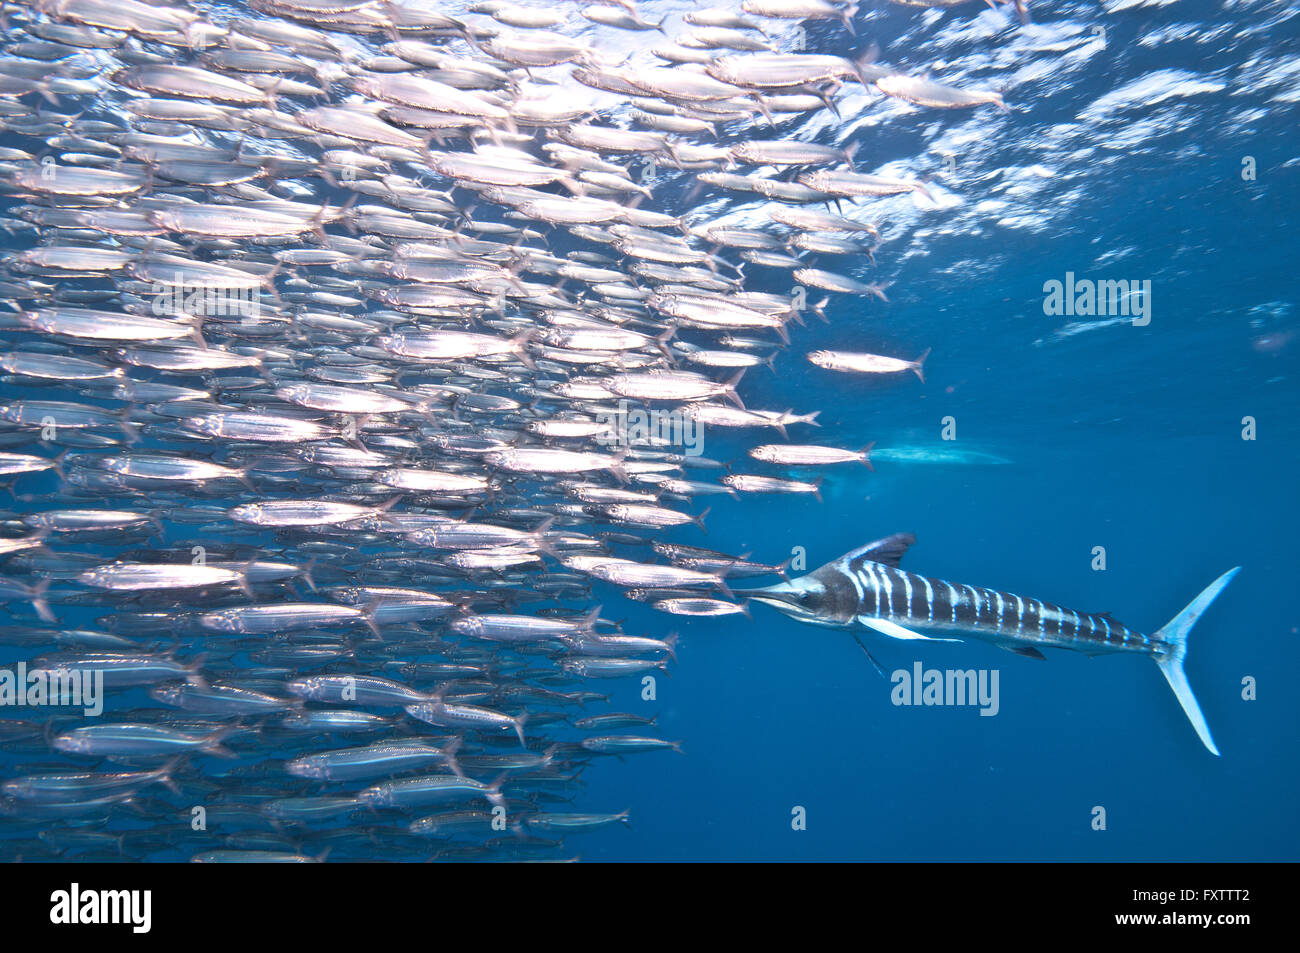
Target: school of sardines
317, 319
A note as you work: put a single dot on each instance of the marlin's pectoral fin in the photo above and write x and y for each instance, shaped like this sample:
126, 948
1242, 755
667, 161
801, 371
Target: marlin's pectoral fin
896, 631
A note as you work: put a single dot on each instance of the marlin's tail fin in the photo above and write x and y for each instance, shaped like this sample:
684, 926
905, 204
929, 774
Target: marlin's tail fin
1174, 634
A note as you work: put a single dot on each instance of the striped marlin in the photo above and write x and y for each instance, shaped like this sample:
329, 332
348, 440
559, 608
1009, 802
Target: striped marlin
867, 588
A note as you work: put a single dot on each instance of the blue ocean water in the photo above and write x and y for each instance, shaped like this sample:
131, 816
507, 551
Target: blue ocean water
1164, 149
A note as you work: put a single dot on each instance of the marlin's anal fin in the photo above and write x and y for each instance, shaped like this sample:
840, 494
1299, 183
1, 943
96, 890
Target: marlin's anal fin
896, 631
1027, 651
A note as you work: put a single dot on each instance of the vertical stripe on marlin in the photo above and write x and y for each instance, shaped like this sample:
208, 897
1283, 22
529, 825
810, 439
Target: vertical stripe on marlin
1020, 615
868, 577
877, 589
877, 597
857, 587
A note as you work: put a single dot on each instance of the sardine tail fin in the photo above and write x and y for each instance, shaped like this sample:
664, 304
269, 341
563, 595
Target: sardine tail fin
918, 365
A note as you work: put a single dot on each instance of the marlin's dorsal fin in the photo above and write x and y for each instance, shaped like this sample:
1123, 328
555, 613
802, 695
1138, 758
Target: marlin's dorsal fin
889, 550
